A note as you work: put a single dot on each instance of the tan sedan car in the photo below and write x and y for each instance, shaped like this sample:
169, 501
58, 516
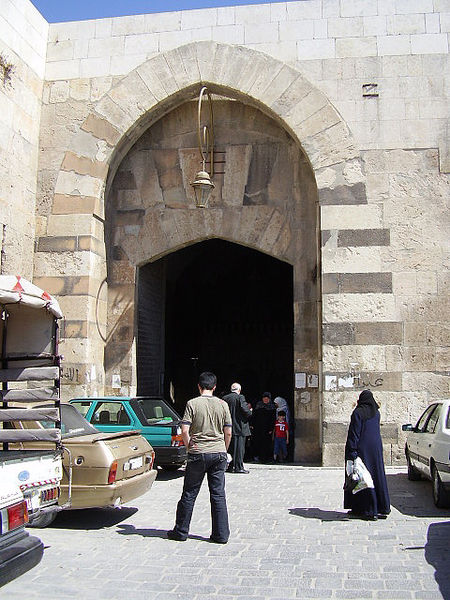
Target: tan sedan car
100, 469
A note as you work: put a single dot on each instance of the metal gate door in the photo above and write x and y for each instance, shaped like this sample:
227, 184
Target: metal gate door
150, 328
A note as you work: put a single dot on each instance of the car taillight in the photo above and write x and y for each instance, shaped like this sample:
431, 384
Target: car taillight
112, 472
50, 494
177, 438
150, 459
17, 515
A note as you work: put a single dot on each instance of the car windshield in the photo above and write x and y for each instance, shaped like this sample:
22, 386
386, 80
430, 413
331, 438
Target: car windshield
421, 422
73, 423
157, 411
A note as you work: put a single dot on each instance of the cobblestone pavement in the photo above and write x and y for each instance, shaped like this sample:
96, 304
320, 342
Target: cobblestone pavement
290, 539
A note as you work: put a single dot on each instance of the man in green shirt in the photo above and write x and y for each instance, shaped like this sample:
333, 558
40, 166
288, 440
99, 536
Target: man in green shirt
206, 432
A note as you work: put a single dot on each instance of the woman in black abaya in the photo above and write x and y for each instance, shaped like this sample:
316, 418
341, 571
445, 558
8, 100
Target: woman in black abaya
364, 440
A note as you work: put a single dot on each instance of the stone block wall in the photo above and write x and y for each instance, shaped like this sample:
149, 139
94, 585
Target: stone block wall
23, 44
381, 64
339, 45
385, 318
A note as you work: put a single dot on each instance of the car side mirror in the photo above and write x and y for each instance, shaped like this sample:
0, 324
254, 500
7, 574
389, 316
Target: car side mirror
408, 427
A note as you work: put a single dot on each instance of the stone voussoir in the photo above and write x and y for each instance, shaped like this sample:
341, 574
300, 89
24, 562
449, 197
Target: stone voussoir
279, 85
119, 118
141, 100
322, 120
187, 57
156, 75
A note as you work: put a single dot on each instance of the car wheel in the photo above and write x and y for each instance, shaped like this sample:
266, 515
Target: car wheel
170, 467
440, 496
44, 519
413, 473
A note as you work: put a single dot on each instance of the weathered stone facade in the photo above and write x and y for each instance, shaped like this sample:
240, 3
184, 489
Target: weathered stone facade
353, 96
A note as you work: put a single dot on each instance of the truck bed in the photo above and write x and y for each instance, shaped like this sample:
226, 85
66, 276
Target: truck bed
26, 455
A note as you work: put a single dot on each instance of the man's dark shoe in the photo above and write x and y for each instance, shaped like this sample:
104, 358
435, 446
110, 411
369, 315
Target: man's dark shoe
242, 471
216, 540
174, 535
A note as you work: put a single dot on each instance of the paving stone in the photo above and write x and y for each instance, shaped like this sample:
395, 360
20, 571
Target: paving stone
290, 538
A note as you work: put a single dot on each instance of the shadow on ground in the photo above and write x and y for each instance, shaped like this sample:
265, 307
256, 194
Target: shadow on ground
155, 533
318, 513
437, 554
92, 518
169, 475
413, 498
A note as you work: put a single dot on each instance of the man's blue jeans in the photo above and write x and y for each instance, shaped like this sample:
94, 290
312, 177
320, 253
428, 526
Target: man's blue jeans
213, 465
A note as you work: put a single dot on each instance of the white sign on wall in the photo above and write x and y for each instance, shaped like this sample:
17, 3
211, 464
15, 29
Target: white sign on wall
300, 380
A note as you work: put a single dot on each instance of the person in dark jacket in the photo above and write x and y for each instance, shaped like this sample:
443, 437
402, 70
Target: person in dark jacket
364, 441
240, 413
263, 422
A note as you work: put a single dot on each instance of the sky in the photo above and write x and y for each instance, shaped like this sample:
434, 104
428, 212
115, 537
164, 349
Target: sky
55, 11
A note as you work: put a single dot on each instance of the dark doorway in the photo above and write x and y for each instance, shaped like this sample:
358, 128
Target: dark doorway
228, 309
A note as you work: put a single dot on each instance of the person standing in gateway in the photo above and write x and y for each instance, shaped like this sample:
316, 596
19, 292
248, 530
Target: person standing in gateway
240, 413
206, 430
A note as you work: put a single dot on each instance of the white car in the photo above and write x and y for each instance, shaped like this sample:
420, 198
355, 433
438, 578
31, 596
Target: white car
19, 551
428, 450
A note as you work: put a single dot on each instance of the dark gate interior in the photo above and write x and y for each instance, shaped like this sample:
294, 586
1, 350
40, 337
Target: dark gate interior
228, 309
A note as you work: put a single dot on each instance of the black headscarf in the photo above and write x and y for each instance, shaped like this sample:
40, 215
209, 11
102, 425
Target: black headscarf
366, 407
261, 404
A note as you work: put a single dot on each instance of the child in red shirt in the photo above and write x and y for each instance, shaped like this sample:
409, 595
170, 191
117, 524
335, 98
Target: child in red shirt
280, 437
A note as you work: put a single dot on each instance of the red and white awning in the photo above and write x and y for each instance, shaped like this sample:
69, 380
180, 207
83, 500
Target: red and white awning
15, 289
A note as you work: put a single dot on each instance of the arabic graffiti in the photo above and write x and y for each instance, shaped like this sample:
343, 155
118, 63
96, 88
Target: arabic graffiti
70, 374
362, 383
352, 382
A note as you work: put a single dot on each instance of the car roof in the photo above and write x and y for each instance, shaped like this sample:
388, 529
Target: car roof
118, 398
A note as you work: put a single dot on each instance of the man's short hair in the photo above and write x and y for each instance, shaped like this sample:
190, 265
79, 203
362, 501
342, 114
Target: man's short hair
235, 387
281, 413
207, 380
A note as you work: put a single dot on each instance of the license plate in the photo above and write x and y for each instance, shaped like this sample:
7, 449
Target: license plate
136, 463
32, 502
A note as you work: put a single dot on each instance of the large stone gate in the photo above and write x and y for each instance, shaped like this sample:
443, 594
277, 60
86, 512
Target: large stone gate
145, 228
356, 205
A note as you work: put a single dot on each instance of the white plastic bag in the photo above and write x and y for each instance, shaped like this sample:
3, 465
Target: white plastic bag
361, 472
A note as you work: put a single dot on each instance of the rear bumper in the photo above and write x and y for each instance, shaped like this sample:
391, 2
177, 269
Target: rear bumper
24, 552
444, 474
114, 494
170, 455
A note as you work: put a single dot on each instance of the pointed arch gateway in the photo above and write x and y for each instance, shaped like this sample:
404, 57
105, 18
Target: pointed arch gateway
137, 235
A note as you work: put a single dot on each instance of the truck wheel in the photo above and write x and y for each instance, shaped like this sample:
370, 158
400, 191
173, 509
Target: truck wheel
413, 473
440, 496
44, 519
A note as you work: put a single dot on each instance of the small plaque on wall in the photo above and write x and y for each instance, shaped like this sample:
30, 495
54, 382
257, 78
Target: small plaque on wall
300, 380
313, 381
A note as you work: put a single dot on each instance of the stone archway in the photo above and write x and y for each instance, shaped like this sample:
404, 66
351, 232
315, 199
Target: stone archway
140, 99
265, 200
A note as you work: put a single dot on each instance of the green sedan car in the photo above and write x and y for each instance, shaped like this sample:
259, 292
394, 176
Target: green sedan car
155, 419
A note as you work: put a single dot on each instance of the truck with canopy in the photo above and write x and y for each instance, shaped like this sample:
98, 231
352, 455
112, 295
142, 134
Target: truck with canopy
30, 374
